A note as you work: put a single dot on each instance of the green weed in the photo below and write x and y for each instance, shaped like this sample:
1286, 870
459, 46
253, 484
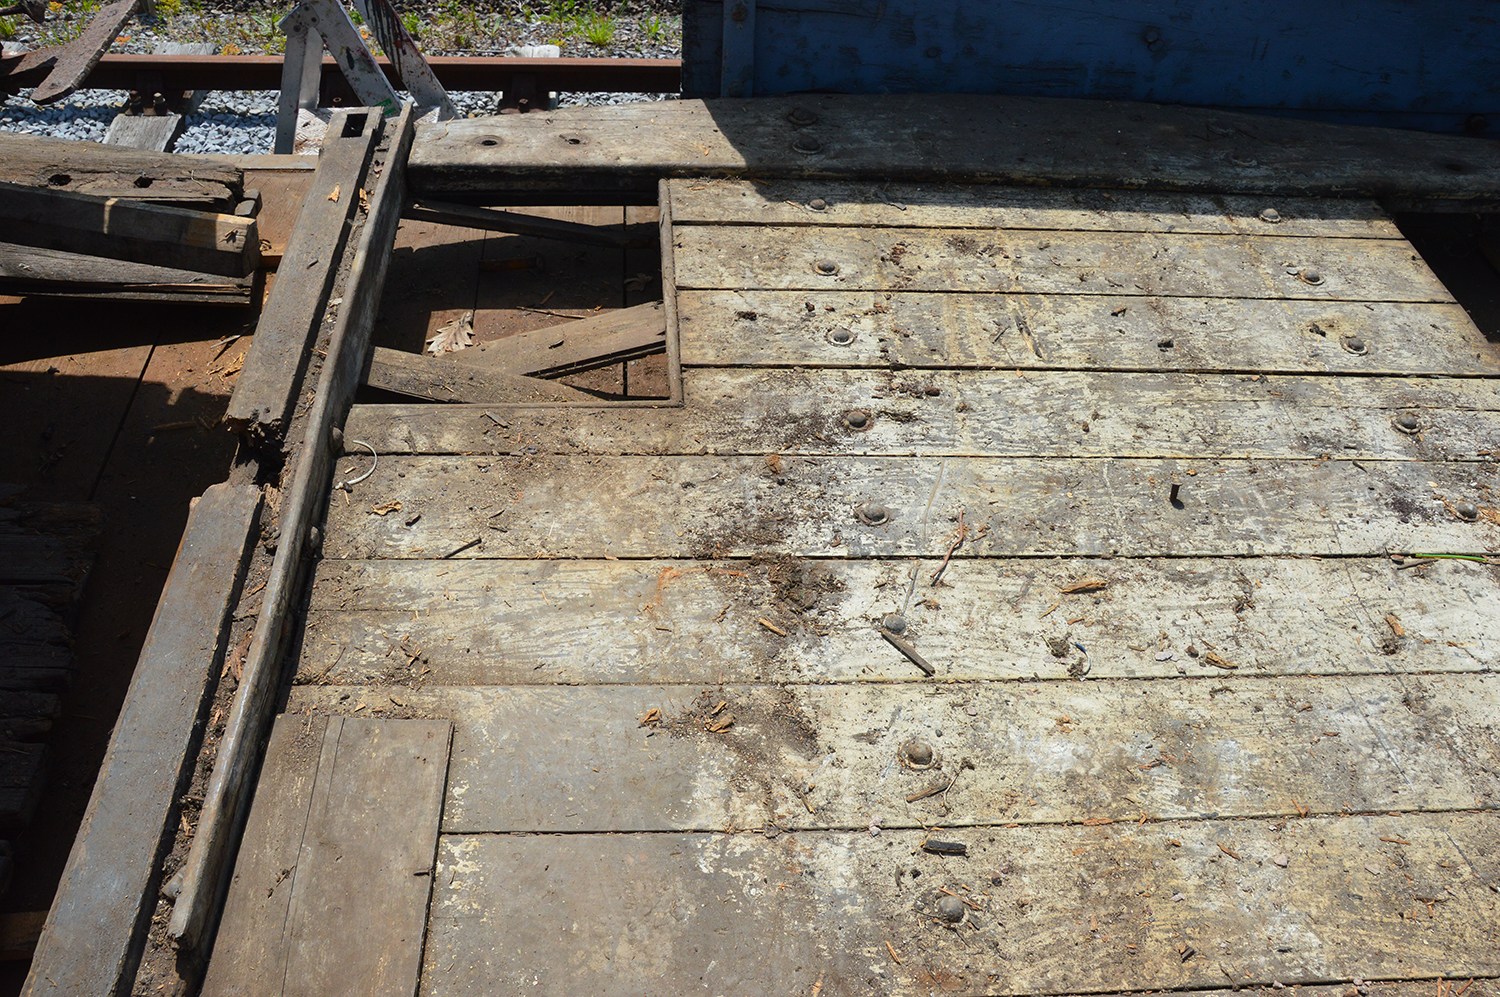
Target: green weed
598, 29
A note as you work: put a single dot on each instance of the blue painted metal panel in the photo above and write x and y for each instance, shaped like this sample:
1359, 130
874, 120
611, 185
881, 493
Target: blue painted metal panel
1414, 63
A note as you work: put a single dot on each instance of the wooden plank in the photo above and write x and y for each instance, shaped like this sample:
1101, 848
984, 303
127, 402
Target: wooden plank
442, 380
22, 769
108, 171
27, 270
712, 506
982, 206
698, 622
753, 328
716, 909
107, 896
1094, 263
118, 229
77, 59
332, 890
988, 413
575, 347
249, 714
816, 757
1025, 140
268, 385
491, 220
144, 131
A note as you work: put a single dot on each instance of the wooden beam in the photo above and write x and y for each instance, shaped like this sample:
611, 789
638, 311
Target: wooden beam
442, 380
27, 270
1026, 140
491, 220
274, 365
110, 171
118, 229
144, 131
575, 347
104, 903
212, 849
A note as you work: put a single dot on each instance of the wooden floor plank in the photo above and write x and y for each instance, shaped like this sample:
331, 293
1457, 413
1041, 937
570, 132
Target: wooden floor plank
1054, 910
831, 757
987, 413
1106, 332
708, 506
986, 206
772, 257
352, 903
522, 622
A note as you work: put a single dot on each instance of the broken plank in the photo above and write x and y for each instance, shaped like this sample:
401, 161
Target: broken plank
28, 270
442, 380
986, 206
107, 895
1105, 332
716, 909
144, 131
1025, 140
987, 413
109, 171
77, 59
332, 887
526, 622
516, 223
576, 347
267, 388
1056, 752
1119, 265
708, 506
118, 229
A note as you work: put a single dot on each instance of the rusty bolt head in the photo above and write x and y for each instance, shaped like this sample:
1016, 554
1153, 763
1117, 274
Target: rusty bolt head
826, 267
801, 117
841, 337
1355, 345
818, 204
807, 145
1310, 275
1270, 216
857, 418
895, 623
872, 514
918, 753
1408, 423
1467, 511
950, 909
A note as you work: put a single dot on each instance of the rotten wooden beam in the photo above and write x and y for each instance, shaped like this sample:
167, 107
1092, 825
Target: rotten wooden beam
112, 171
442, 380
574, 347
491, 220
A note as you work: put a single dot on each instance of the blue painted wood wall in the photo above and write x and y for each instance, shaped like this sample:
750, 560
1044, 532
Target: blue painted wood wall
1430, 64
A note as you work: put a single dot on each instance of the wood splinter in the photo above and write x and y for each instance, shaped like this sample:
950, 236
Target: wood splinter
910, 652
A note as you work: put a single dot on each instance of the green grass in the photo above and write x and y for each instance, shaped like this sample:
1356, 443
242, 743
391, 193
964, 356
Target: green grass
598, 29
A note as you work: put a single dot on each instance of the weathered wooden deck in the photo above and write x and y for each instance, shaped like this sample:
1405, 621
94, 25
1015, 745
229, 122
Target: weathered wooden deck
1203, 717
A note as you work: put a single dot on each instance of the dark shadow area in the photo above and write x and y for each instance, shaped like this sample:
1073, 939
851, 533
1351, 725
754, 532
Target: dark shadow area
1464, 251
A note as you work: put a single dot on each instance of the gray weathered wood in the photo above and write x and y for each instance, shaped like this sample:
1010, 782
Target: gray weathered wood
985, 206
491, 220
249, 714
1055, 909
442, 380
824, 757
1058, 262
119, 229
268, 385
692, 622
330, 895
1105, 332
77, 59
1075, 143
28, 270
986, 413
104, 903
707, 506
144, 131
576, 347
109, 171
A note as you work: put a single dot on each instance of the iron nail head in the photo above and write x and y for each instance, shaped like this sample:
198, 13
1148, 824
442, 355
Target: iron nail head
857, 418
1408, 423
826, 267
872, 514
1467, 511
841, 337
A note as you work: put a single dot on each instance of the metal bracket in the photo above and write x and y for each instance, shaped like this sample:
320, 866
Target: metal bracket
737, 78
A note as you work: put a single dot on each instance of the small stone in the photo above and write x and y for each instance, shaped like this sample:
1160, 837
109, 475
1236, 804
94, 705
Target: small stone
1192, 651
1282, 860
971, 711
1373, 870
1166, 655
1178, 898
950, 909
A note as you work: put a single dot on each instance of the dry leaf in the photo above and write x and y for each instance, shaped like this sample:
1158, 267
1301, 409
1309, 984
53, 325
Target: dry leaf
454, 336
381, 510
364, 201
335, 195
1215, 659
1087, 585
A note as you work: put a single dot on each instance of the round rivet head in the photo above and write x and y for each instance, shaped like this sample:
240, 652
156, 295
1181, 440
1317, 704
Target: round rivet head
1467, 511
1311, 276
918, 752
856, 418
1355, 345
818, 204
826, 267
841, 337
807, 145
801, 117
1408, 423
895, 623
950, 909
872, 514
1270, 216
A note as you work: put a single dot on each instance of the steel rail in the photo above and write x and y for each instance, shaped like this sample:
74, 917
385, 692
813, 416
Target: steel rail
161, 73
